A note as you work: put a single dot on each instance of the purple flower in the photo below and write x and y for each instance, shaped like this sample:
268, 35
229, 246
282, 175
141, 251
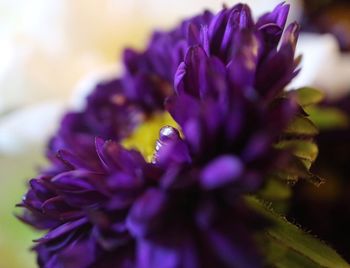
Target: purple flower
230, 111
222, 79
84, 208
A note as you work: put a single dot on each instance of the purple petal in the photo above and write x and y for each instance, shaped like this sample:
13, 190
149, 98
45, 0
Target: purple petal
221, 171
63, 229
147, 213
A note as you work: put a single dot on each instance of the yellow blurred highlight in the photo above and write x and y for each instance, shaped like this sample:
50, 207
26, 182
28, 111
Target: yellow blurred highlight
145, 136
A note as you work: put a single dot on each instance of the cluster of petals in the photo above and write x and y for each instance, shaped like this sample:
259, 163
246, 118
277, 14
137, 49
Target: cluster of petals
222, 78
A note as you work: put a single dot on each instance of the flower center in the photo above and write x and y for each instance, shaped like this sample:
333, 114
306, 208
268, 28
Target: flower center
145, 136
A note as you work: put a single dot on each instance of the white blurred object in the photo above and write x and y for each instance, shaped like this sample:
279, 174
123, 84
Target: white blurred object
30, 74
323, 65
87, 84
47, 45
25, 128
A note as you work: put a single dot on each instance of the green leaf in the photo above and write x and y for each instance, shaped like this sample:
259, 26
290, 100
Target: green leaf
290, 247
275, 190
289, 259
298, 169
301, 126
328, 117
306, 163
303, 149
307, 96
278, 192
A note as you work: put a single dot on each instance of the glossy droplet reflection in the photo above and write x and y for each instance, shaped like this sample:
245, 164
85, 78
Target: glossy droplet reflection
166, 134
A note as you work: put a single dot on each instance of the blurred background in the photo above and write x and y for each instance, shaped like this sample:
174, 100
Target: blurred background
53, 52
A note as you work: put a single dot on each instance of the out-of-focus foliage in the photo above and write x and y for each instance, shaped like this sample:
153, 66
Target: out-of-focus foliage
16, 239
290, 246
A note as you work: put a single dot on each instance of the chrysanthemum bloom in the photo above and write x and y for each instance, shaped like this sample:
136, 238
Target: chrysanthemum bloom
230, 111
186, 208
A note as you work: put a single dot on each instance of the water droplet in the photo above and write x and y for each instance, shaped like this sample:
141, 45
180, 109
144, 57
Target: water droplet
168, 133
